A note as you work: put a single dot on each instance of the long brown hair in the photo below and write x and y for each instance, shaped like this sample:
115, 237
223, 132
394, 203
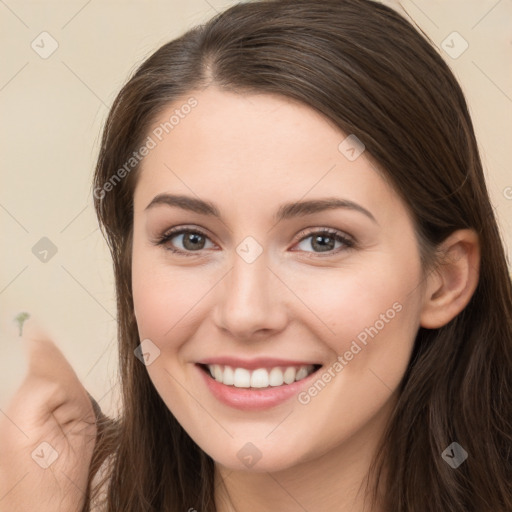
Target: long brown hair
372, 73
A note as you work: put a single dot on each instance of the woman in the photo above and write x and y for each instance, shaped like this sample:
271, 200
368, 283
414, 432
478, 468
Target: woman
342, 338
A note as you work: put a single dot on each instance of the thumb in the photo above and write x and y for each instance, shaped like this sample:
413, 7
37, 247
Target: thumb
45, 359
50, 379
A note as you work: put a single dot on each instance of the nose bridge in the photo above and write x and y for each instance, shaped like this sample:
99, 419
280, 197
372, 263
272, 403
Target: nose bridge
249, 300
249, 279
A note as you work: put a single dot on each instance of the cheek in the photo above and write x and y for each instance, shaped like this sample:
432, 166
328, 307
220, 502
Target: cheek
162, 306
374, 317
155, 294
158, 302
166, 299
362, 301
147, 297
369, 317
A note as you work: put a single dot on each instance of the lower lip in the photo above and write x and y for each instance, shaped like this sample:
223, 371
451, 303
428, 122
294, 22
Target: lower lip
253, 399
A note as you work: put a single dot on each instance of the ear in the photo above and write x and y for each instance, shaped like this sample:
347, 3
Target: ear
451, 285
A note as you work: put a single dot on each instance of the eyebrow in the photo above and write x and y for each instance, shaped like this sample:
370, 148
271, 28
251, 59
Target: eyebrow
285, 211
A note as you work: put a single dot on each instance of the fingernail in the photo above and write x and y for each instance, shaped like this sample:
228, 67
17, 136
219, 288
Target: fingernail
20, 320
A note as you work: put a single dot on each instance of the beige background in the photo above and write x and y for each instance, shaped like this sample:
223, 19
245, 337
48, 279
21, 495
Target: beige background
52, 113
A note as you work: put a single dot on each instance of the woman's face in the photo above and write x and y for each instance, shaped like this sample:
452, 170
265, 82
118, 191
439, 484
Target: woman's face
262, 289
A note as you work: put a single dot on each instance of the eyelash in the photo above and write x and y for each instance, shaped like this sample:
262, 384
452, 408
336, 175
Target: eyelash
348, 242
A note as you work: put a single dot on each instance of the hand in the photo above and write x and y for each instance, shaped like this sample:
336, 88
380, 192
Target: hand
47, 433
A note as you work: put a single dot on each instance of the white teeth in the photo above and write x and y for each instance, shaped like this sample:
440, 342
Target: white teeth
301, 373
229, 376
217, 372
260, 378
289, 375
276, 377
242, 378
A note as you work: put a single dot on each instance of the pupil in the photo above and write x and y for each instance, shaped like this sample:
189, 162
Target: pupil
326, 246
192, 239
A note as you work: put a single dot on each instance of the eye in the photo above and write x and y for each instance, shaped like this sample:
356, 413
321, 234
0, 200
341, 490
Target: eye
325, 241
193, 240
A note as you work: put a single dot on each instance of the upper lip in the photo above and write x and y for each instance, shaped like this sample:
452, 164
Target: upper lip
253, 364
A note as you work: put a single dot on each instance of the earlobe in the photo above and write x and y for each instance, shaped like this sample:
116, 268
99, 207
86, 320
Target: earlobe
451, 285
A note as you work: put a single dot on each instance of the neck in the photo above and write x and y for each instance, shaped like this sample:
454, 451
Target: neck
334, 481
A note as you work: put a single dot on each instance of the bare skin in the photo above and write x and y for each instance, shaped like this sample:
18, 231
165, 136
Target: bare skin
47, 433
248, 155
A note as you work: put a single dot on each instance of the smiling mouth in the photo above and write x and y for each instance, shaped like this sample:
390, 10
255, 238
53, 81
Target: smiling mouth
259, 378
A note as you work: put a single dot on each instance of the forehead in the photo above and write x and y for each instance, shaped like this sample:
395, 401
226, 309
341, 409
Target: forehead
248, 129
254, 149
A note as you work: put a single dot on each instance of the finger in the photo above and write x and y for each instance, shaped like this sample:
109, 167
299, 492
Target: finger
51, 385
45, 359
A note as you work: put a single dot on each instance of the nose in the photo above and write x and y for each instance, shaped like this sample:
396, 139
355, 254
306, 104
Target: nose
251, 300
